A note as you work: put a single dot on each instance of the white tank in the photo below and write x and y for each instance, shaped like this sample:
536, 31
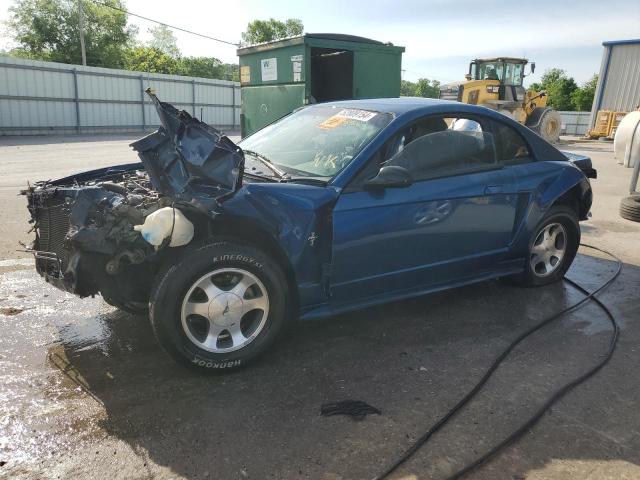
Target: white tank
626, 143
164, 222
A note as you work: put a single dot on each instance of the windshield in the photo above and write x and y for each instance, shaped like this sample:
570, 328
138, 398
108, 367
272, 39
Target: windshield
507, 73
317, 141
513, 74
489, 71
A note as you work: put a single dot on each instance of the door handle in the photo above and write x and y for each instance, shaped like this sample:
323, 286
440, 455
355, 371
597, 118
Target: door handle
492, 189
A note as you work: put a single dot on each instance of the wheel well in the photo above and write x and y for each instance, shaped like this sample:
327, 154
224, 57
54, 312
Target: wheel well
574, 198
248, 233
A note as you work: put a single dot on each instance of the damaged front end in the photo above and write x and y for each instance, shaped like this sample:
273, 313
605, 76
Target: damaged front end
101, 231
84, 232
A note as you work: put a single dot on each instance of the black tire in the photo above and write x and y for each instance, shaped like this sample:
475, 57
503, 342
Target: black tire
173, 283
630, 208
134, 308
549, 126
567, 217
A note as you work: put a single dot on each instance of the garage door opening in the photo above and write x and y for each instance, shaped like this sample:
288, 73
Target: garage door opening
331, 74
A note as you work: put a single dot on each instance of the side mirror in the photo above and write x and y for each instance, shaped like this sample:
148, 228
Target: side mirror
390, 176
533, 67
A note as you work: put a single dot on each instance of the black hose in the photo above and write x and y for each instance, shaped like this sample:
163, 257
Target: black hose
496, 363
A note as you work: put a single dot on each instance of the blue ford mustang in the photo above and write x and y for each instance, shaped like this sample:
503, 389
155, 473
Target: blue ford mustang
335, 207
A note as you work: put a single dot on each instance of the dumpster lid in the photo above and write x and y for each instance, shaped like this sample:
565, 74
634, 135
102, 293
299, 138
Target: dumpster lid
342, 37
336, 37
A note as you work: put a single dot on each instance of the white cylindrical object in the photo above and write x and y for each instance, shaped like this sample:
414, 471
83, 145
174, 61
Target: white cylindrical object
164, 222
626, 143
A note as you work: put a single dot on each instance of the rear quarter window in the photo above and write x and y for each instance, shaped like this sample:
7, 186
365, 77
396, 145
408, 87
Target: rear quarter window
511, 147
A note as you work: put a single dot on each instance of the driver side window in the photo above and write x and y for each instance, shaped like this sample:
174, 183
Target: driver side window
442, 146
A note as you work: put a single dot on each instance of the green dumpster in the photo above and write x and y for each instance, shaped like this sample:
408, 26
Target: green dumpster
278, 77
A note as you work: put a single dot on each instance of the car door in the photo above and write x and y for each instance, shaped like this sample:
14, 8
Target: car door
453, 223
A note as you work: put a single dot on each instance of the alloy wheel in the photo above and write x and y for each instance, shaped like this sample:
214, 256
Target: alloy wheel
548, 250
225, 310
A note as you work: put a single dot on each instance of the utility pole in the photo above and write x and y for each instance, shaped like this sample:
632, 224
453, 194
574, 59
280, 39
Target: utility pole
81, 25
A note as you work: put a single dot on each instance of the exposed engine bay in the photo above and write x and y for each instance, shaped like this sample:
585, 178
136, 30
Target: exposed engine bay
87, 226
91, 228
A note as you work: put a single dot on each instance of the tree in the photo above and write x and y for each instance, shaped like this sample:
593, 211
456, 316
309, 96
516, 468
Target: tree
232, 71
422, 88
407, 89
163, 39
260, 31
428, 88
206, 67
582, 98
150, 59
559, 89
48, 30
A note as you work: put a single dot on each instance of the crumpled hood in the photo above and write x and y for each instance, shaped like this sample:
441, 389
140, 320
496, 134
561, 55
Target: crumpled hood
189, 160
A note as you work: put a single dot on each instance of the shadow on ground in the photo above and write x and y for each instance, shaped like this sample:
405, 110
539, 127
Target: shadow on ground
413, 360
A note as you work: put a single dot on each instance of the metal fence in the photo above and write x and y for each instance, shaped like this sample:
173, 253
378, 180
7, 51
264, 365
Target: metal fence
575, 123
40, 98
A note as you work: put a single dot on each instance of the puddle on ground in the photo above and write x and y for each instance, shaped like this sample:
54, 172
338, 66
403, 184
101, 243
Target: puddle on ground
43, 405
61, 357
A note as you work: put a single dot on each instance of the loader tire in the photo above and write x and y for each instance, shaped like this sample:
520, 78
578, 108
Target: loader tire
548, 125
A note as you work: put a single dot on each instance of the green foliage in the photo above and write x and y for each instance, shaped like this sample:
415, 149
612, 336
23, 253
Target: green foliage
559, 88
582, 98
163, 39
150, 59
49, 30
407, 89
207, 67
563, 92
154, 60
428, 88
422, 88
260, 31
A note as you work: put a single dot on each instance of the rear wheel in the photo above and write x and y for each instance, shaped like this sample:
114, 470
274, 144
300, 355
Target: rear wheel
552, 248
219, 306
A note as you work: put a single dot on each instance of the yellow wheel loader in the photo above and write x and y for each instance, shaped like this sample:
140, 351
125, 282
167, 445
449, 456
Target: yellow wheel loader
496, 83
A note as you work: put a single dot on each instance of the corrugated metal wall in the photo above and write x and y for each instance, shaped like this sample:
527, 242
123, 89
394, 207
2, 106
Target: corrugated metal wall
53, 98
622, 89
618, 86
575, 123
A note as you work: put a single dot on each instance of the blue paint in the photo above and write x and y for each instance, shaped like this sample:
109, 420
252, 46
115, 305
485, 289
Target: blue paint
621, 42
345, 249
401, 242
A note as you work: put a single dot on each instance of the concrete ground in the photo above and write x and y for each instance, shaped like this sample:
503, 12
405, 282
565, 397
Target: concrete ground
87, 393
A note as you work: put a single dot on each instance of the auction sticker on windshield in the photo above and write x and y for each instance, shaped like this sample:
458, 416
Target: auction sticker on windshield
355, 114
345, 115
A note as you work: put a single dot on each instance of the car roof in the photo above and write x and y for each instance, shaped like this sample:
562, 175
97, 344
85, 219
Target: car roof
407, 109
414, 106
392, 105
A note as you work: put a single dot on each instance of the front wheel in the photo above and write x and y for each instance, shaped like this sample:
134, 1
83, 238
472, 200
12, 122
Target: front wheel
219, 306
552, 248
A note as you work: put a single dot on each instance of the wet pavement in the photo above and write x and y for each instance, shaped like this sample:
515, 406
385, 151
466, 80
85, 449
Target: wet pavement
87, 393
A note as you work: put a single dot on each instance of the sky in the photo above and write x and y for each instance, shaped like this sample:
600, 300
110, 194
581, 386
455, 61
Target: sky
440, 36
